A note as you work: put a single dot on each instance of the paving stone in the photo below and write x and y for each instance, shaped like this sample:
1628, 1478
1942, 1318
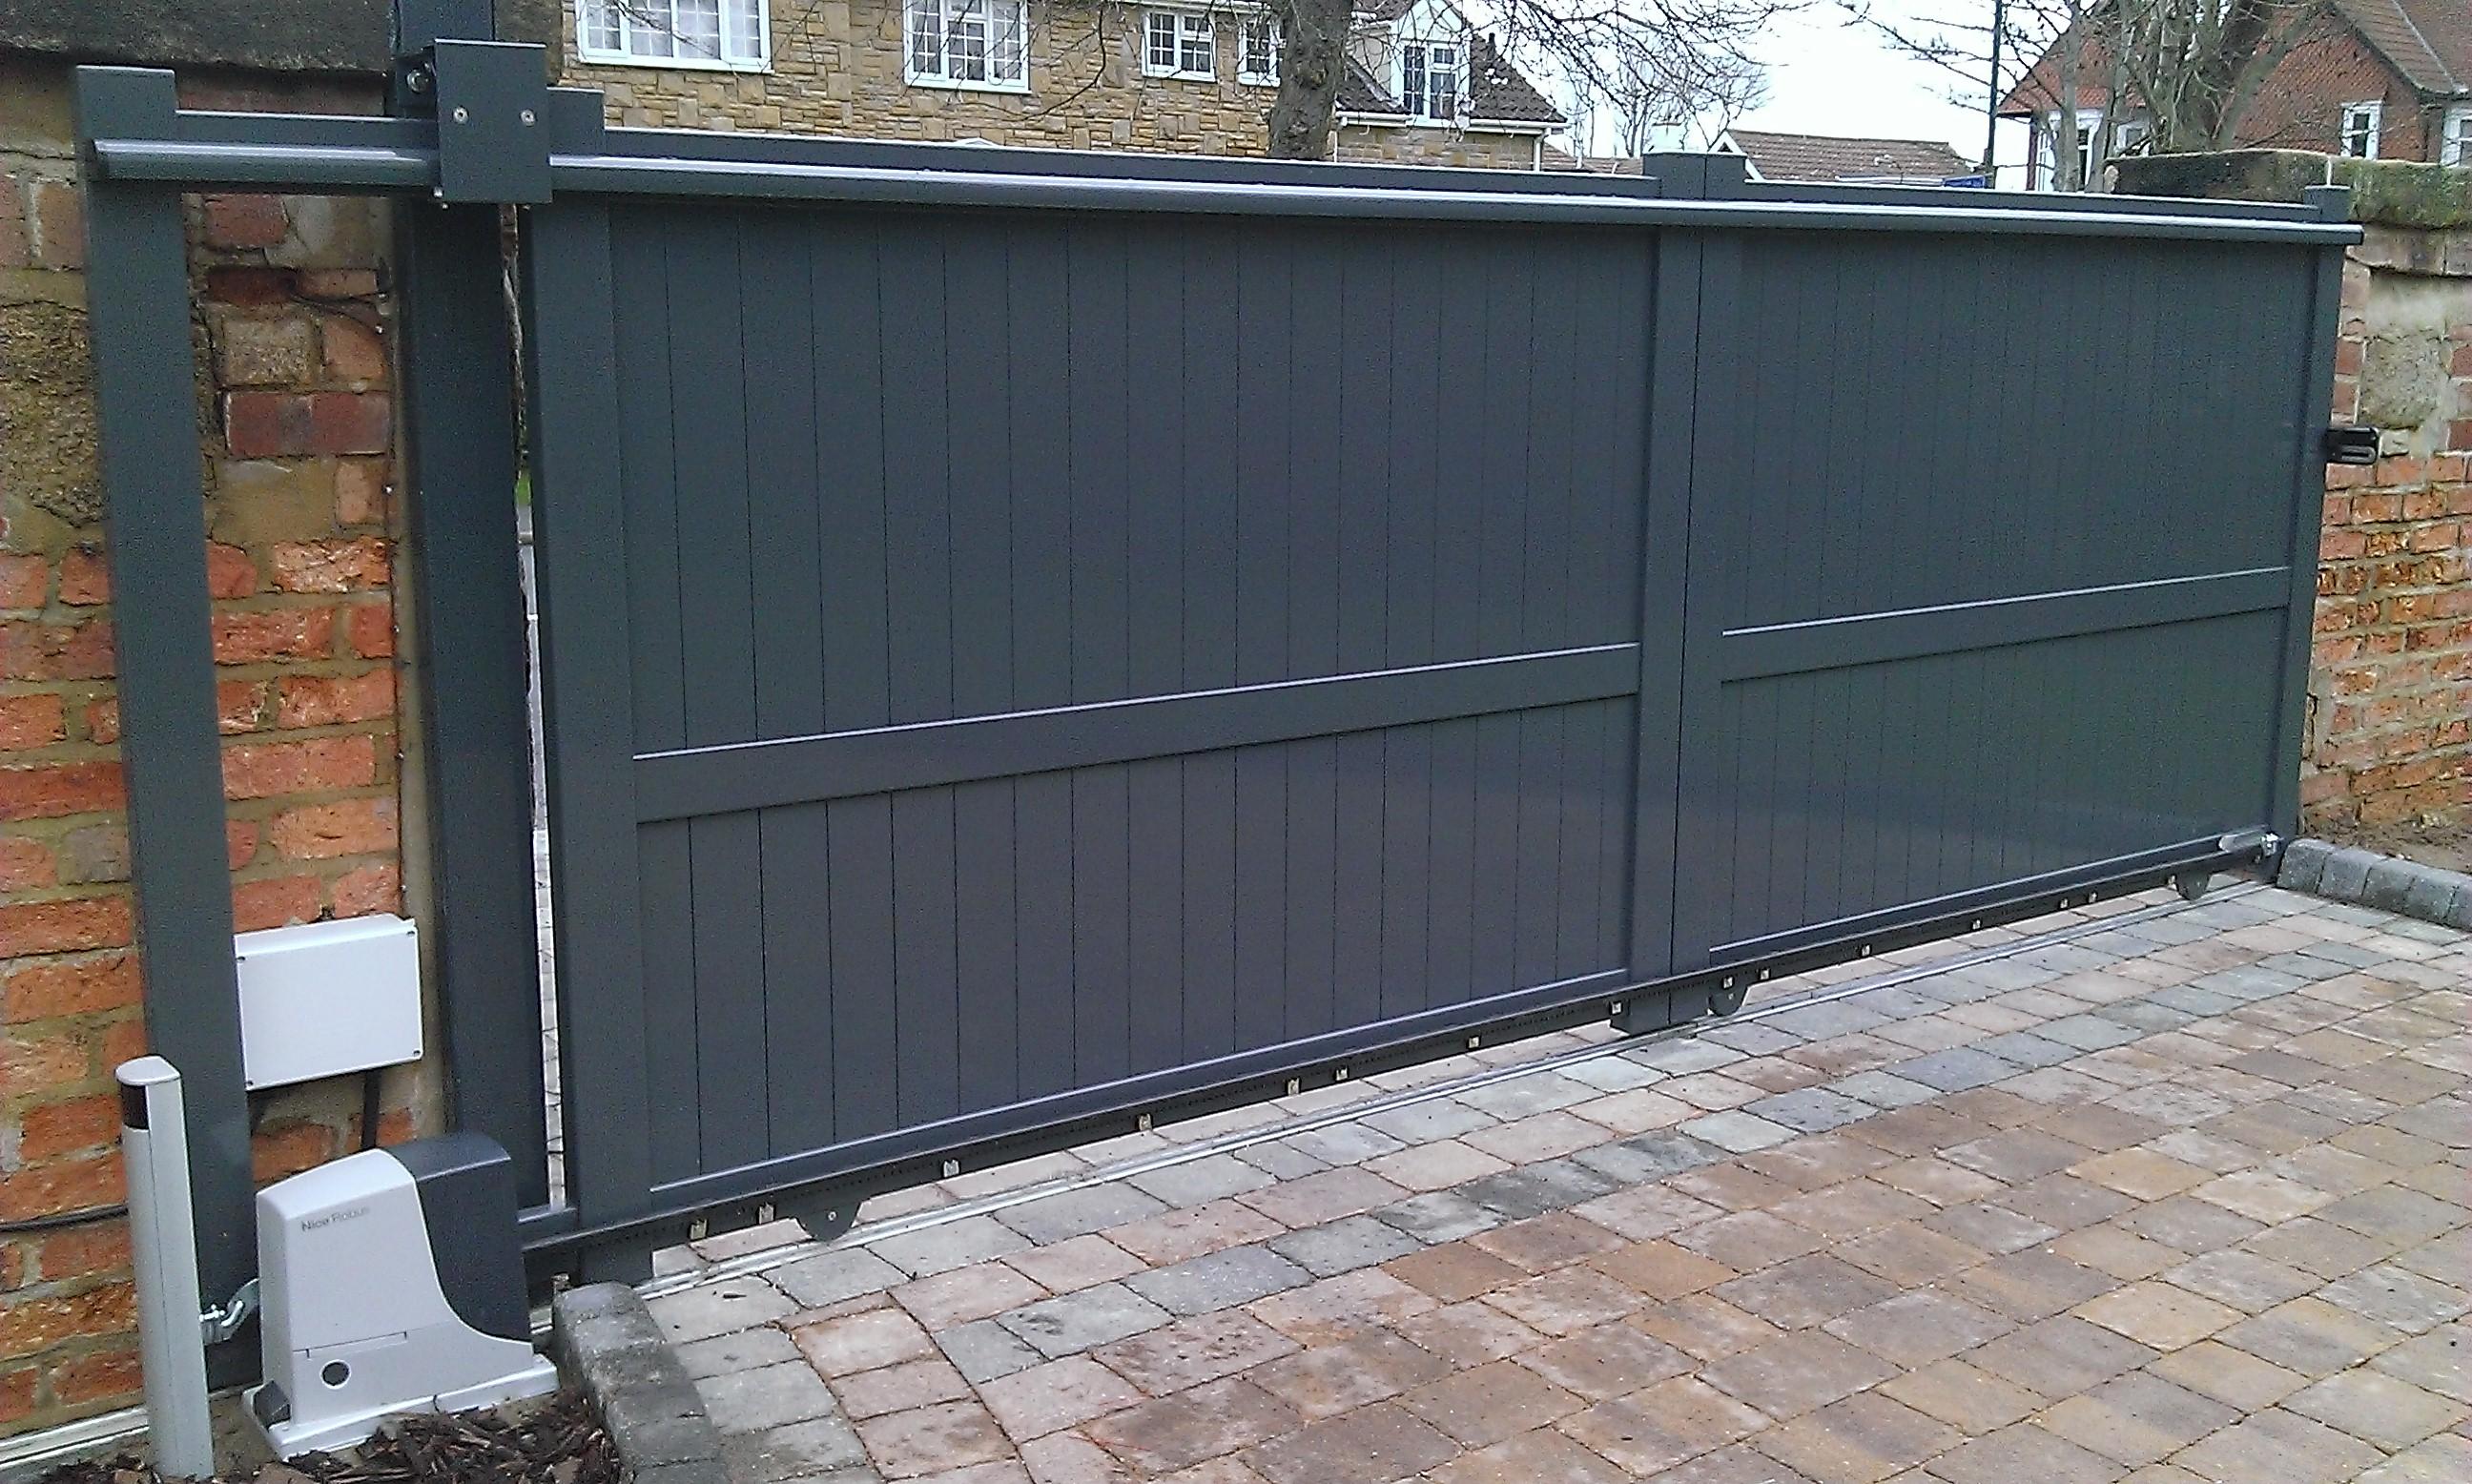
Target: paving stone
1655, 1428
1206, 1422
1747, 1242
2061, 1355
1328, 1196
961, 1294
2017, 1156
1054, 1396
1613, 1074
2023, 1452
2446, 1459
1281, 1160
1470, 1333
1487, 1404
1375, 1445
2439, 1361
1544, 1135
2241, 1279
1362, 1369
1955, 1070
2279, 1446
1334, 1308
1684, 1055
1863, 1438
1737, 1131
2396, 1213
1222, 1280
1069, 1213
862, 1342
985, 1349
899, 1388
1519, 1097
1990, 1228
2137, 1419
1796, 1373
2311, 1336
1343, 1246
949, 1245
1190, 1232
1916, 1328
2398, 1297
1534, 1189
1061, 1267
1810, 1110
1080, 1321
768, 1397
1540, 1457
1883, 1089
1556, 1239
1567, 1300
1962, 1395
2064, 1202
823, 1448
1909, 1254
1440, 1216
1634, 1111
1198, 1182
1608, 1361
1435, 1167
2160, 1315
1425, 1123
742, 1350
717, 1309
2234, 1377
1646, 1211
2124, 1254
1852, 1207
1345, 1143
1804, 1291
933, 1438
2377, 1407
2192, 1225
1661, 1269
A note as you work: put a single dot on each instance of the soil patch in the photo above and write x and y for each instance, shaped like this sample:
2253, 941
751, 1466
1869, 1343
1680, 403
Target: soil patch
561, 1443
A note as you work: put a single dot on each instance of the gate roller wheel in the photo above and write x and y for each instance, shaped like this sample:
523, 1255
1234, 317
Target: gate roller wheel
1724, 1002
2192, 884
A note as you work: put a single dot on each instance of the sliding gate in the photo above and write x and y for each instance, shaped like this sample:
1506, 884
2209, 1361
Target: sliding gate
1037, 642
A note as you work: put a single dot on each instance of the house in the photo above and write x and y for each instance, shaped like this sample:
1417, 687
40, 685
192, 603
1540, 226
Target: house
2372, 79
1831, 157
1421, 87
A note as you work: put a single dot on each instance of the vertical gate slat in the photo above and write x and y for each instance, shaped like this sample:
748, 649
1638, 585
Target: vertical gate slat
1260, 966
1407, 837
1662, 545
865, 1042
1311, 885
1317, 395
1039, 438
1540, 844
986, 966
919, 433
672, 1077
1043, 930
1450, 942
1361, 381
1493, 961
1101, 930
1268, 485
576, 429
926, 977
728, 895
1154, 957
1210, 782
796, 847
1356, 906
846, 328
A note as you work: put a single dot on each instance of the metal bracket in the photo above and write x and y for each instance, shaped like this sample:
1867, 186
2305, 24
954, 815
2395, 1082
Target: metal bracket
222, 1323
492, 128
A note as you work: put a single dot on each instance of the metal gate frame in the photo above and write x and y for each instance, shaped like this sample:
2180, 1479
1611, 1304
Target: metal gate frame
510, 139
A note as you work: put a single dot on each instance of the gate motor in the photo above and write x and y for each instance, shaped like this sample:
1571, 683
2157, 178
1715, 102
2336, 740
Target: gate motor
393, 1281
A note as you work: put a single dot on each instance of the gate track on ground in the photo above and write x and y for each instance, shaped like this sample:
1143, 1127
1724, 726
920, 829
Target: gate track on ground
867, 1233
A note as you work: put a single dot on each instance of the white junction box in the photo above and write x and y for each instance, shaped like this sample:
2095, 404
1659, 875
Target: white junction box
320, 999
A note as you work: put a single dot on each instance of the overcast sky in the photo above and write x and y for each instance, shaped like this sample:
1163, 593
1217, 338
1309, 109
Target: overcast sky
1829, 76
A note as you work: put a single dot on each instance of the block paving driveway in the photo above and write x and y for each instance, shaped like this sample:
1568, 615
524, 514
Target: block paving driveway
2180, 1197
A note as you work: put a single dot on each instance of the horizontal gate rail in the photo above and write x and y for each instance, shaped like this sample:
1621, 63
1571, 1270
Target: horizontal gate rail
801, 770
1911, 633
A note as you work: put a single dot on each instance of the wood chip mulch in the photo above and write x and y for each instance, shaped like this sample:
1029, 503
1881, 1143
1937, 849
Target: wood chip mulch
559, 1443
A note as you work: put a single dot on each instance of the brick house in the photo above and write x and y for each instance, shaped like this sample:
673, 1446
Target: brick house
2373, 79
1422, 87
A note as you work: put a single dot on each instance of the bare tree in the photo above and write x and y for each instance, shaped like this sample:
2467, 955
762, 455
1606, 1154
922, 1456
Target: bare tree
2187, 73
1644, 62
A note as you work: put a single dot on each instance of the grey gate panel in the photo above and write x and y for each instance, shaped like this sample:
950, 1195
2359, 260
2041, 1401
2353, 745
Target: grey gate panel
1982, 598
1037, 639
1061, 652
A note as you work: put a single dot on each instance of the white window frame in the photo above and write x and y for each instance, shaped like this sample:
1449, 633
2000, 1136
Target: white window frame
623, 32
1189, 34
2369, 115
1421, 110
1265, 25
2455, 136
953, 20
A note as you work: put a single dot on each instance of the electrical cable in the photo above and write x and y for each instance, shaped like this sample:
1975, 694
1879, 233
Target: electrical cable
59, 1220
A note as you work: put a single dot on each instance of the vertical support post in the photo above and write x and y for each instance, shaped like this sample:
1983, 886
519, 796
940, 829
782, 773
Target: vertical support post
137, 287
2314, 409
162, 1239
456, 357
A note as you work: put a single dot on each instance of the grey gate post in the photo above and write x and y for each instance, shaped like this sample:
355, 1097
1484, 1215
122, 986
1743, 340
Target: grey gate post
171, 750
458, 448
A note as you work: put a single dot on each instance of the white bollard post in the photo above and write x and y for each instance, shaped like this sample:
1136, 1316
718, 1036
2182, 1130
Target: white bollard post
163, 1238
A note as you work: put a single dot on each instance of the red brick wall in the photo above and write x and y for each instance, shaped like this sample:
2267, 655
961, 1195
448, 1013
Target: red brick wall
2390, 725
2301, 106
296, 431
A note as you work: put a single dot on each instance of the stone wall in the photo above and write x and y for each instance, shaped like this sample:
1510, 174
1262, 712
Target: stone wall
296, 425
837, 69
2389, 734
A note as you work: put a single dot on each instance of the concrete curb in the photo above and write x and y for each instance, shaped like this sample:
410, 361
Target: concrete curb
2348, 874
607, 1342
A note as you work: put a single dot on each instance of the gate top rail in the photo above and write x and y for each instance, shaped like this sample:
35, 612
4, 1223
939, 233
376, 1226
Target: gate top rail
203, 150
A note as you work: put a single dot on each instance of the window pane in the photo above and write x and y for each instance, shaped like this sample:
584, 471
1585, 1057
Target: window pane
1160, 54
965, 41
1008, 51
696, 26
1411, 80
926, 38
743, 30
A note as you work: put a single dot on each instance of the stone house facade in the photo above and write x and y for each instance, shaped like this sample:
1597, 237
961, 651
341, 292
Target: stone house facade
1422, 89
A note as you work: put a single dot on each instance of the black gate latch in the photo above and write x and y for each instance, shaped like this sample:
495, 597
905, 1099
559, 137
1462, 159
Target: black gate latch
492, 122
2352, 445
